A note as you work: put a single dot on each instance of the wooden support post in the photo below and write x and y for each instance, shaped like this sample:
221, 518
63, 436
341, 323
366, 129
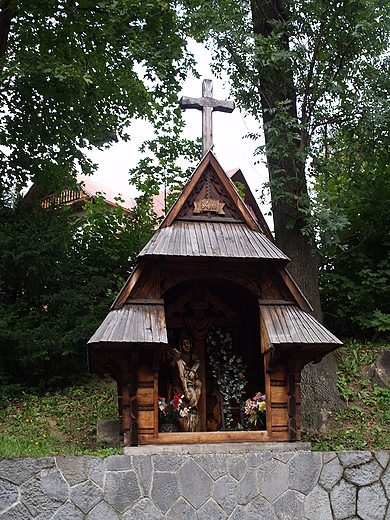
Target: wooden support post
130, 414
155, 368
291, 407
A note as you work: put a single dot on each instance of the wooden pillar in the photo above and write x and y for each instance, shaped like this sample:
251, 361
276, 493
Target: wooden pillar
293, 396
130, 412
200, 352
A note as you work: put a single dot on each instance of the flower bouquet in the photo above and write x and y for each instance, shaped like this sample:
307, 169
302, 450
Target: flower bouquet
171, 413
255, 409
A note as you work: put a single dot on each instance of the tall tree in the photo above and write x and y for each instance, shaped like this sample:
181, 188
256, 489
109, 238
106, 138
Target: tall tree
73, 76
290, 65
293, 64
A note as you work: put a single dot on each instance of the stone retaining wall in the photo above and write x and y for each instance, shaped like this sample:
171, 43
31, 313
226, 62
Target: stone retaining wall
236, 482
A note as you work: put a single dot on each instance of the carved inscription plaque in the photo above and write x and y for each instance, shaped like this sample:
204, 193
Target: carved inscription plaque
206, 205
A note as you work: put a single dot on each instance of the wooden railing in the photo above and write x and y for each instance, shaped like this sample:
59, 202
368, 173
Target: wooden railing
66, 197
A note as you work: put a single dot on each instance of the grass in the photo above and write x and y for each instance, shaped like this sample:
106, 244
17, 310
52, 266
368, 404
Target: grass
57, 423
364, 424
64, 422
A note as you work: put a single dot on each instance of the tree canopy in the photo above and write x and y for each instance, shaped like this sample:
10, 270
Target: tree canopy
58, 277
74, 74
299, 67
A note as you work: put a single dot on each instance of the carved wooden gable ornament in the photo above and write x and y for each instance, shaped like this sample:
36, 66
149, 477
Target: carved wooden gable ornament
211, 266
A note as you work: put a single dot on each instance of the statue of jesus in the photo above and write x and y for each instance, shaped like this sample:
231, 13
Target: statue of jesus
183, 365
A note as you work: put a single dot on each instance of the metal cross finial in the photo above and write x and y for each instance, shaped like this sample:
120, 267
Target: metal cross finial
207, 104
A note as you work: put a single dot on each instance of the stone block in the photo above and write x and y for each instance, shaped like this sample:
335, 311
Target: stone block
211, 510
283, 456
215, 464
372, 502
317, 505
238, 513
142, 510
121, 489
304, 470
349, 459
143, 466
225, 493
247, 487
196, 484
9, 494
169, 462
272, 479
102, 512
258, 509
45, 493
96, 470
181, 510
68, 512
381, 376
365, 474
18, 471
343, 500
108, 432
289, 506
328, 456
385, 479
331, 474
165, 489
85, 496
257, 458
17, 512
47, 463
74, 469
119, 463
383, 457
237, 465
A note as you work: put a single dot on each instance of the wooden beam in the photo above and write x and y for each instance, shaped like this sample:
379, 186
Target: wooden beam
208, 437
296, 292
128, 287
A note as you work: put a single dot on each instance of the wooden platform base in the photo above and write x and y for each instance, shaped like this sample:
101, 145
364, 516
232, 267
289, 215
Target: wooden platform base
212, 437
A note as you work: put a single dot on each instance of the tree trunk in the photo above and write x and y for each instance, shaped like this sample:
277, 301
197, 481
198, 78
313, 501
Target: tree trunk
6, 15
285, 148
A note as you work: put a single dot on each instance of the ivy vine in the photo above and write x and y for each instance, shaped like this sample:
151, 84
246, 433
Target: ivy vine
227, 368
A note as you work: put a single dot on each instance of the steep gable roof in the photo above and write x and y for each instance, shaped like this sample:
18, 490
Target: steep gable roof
236, 175
208, 181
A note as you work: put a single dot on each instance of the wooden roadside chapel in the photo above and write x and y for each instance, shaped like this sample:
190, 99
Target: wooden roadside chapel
211, 276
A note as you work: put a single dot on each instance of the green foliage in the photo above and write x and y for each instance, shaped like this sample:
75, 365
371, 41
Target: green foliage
168, 159
58, 423
240, 188
295, 66
228, 370
364, 423
75, 74
355, 272
58, 277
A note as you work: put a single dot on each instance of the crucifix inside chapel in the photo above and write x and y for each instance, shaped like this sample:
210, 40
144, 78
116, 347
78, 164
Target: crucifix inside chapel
207, 104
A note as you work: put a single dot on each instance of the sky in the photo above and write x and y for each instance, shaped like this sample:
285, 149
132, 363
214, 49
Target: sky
230, 147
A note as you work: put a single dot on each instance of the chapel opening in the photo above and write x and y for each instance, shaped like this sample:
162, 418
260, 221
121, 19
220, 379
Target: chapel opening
215, 314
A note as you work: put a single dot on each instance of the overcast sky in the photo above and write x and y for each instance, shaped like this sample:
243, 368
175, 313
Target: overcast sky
231, 149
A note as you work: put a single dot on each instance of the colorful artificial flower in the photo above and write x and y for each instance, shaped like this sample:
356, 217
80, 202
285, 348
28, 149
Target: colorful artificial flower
255, 409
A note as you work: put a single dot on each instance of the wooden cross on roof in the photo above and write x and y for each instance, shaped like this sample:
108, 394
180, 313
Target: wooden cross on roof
207, 104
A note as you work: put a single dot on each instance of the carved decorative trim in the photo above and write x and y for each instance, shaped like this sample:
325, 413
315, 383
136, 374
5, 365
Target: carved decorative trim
278, 383
146, 408
278, 405
279, 428
212, 205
